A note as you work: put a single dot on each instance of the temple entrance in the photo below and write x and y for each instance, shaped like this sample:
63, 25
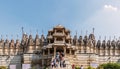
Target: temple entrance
59, 49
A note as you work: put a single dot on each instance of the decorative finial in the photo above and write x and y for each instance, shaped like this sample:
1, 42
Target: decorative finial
76, 32
99, 37
30, 32
12, 36
22, 30
86, 32
81, 32
37, 31
109, 37
42, 32
93, 30
105, 37
1, 36
17, 36
6, 36
114, 37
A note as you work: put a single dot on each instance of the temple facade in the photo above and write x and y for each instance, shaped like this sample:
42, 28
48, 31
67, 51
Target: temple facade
39, 51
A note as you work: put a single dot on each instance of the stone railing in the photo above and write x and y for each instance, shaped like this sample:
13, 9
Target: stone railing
59, 42
58, 34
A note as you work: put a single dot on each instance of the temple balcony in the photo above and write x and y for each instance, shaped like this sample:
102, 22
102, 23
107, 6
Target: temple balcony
68, 37
59, 34
59, 42
49, 36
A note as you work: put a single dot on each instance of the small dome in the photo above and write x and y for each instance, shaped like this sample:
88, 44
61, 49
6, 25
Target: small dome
37, 36
59, 26
108, 43
104, 43
50, 30
98, 43
67, 30
113, 43
30, 36
91, 36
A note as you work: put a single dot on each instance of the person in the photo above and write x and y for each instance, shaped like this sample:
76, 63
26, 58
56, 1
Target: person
64, 65
52, 64
58, 57
81, 67
73, 66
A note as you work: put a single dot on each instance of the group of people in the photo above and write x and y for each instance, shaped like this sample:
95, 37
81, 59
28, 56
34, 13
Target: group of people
73, 66
58, 60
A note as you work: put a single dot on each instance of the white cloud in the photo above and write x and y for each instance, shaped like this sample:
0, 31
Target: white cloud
105, 23
110, 7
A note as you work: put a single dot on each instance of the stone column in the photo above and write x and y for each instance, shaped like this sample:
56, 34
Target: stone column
63, 40
64, 50
54, 51
42, 62
69, 41
55, 39
43, 52
55, 30
63, 31
70, 51
48, 51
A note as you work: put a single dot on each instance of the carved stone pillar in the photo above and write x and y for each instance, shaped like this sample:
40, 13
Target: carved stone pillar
63, 40
70, 51
64, 50
48, 51
82, 49
42, 62
69, 41
55, 39
43, 52
63, 31
54, 51
55, 30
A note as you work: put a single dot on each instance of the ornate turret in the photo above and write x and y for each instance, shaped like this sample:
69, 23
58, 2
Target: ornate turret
12, 47
12, 44
6, 43
118, 43
80, 40
109, 44
98, 45
37, 40
1, 46
42, 38
30, 41
75, 40
1, 43
23, 41
6, 48
17, 43
113, 43
104, 43
85, 40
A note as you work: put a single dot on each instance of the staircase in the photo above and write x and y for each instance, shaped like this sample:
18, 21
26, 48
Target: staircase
76, 60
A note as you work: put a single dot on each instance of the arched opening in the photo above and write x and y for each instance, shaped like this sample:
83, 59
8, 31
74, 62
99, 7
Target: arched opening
59, 49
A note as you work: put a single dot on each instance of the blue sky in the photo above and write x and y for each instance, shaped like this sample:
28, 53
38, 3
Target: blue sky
78, 15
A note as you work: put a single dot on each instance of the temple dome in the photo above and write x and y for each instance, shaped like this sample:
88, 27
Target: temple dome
59, 26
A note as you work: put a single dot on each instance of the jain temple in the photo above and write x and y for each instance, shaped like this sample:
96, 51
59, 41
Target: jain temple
39, 51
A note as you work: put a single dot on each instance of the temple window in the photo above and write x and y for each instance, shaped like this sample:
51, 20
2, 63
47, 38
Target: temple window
59, 39
59, 31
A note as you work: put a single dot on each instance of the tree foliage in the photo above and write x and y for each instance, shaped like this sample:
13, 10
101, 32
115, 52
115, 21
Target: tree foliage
109, 66
3, 67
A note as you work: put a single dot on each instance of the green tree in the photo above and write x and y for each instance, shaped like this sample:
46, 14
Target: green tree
109, 66
90, 67
3, 67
